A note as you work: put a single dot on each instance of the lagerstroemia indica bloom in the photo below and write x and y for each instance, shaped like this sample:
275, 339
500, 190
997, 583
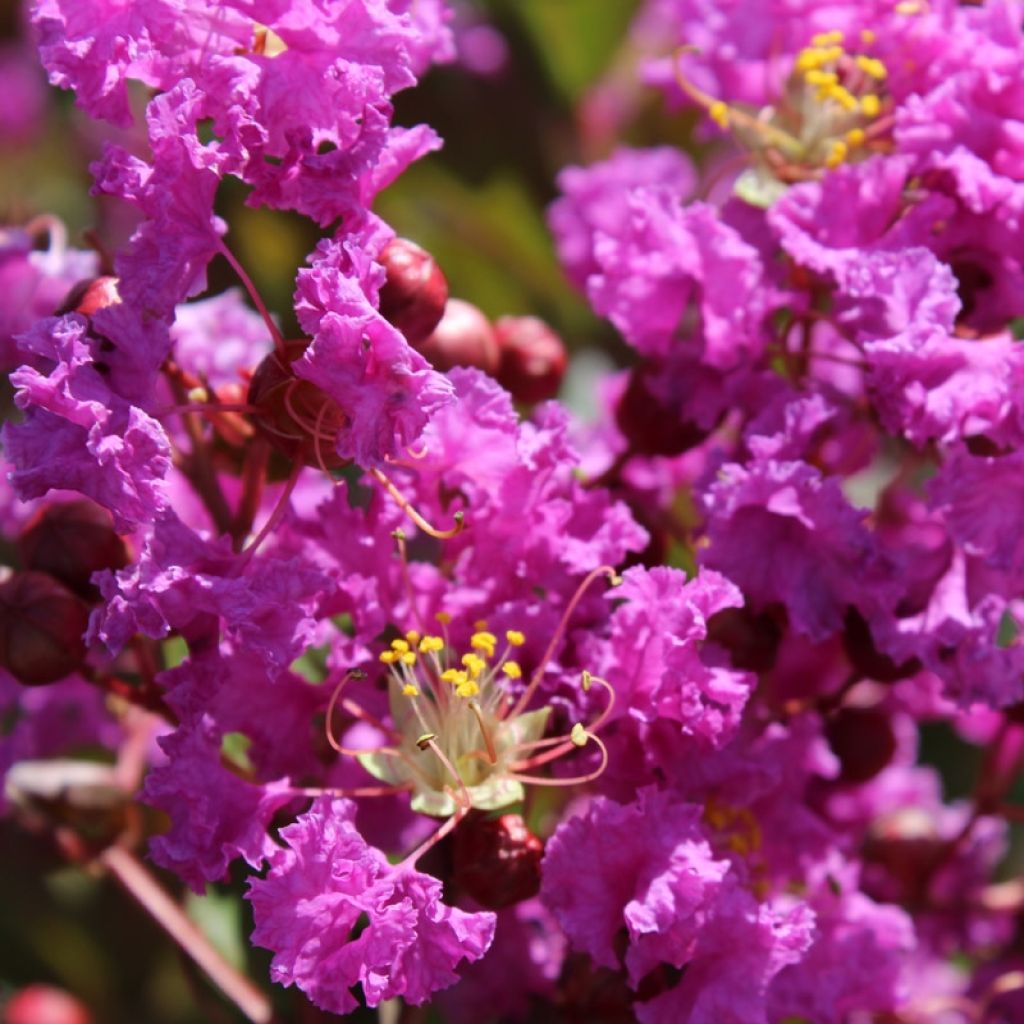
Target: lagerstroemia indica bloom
467, 710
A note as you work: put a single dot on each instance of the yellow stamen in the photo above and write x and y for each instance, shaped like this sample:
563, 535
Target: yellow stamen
480, 624
443, 617
474, 663
837, 154
515, 638
512, 670
467, 689
823, 78
843, 97
578, 735
855, 137
389, 657
413, 637
870, 105
407, 658
455, 676
719, 113
410, 690
400, 645
827, 38
483, 642
872, 66
431, 643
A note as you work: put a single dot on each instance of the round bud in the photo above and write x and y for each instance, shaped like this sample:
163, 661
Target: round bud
44, 1004
296, 417
90, 296
533, 358
650, 424
41, 627
464, 337
70, 540
414, 295
497, 860
863, 740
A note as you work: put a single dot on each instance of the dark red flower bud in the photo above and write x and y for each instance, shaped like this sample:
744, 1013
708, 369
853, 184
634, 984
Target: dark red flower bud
651, 425
862, 739
497, 860
90, 296
533, 358
41, 627
295, 416
464, 337
44, 1004
415, 292
71, 540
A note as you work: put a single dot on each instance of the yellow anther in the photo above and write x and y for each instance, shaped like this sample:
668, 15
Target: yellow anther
410, 690
872, 66
808, 60
822, 78
578, 735
407, 658
870, 105
843, 97
443, 617
587, 680
425, 740
474, 663
867, 36
483, 642
454, 676
400, 645
413, 637
389, 657
512, 670
198, 394
855, 137
480, 624
431, 643
827, 38
719, 113
467, 689
837, 154
515, 638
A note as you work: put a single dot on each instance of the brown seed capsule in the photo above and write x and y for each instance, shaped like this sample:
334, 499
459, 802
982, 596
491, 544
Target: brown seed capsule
414, 295
533, 358
297, 418
41, 627
497, 860
70, 540
464, 337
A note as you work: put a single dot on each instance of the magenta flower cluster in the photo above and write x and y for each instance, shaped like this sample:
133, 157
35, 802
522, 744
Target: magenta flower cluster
514, 713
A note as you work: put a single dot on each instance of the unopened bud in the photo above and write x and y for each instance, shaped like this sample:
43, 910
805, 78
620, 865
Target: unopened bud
464, 337
497, 860
90, 296
414, 295
70, 540
533, 358
652, 425
41, 627
44, 1004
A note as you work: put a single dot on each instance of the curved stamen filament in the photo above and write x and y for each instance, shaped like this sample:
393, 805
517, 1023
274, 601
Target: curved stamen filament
275, 334
275, 517
410, 594
315, 791
463, 803
556, 637
492, 754
354, 673
406, 506
576, 780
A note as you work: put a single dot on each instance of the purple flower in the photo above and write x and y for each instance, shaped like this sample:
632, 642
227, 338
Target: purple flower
314, 895
215, 814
